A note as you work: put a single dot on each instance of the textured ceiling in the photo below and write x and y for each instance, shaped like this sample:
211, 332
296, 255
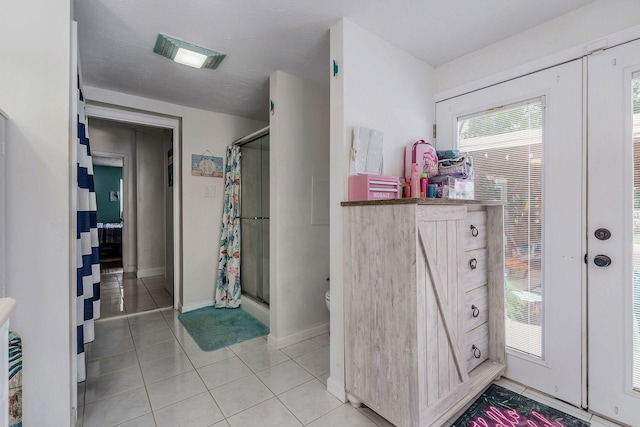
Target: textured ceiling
116, 39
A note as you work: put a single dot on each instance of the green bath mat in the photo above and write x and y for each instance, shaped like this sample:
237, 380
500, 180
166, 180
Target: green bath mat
498, 406
215, 328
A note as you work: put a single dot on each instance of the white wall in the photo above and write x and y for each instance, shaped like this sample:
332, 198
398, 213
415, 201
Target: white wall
556, 41
201, 216
299, 150
151, 204
111, 138
35, 87
378, 87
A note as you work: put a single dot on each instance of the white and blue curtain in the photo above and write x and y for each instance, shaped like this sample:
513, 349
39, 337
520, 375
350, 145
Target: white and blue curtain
228, 282
87, 253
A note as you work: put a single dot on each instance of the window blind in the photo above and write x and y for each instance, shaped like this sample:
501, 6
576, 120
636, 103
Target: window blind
635, 299
507, 150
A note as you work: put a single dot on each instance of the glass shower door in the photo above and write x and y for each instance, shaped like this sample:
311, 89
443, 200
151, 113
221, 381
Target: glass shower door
254, 220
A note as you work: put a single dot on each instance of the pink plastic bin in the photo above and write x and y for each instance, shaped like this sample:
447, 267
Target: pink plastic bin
374, 187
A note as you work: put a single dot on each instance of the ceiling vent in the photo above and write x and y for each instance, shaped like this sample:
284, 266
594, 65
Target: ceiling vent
187, 53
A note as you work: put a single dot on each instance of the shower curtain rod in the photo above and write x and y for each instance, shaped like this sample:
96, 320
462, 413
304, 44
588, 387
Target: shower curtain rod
251, 137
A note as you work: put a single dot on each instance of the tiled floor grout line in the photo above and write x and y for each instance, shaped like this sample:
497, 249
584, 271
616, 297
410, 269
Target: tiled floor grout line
144, 382
168, 320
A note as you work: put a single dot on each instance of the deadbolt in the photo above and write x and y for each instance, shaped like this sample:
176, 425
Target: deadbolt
602, 261
602, 234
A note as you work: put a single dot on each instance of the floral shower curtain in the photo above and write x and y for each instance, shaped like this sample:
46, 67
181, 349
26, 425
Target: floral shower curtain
228, 282
87, 252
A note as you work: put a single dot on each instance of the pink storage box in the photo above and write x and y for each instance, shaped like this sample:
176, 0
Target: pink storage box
374, 187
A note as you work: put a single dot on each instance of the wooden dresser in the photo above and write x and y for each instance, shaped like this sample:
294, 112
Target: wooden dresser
423, 305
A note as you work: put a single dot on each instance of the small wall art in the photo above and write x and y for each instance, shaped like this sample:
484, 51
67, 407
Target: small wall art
206, 165
114, 196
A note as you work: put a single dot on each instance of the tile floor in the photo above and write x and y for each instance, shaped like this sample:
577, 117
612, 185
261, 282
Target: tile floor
145, 370
121, 293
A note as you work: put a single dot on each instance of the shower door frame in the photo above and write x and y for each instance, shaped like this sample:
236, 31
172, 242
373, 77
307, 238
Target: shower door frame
259, 297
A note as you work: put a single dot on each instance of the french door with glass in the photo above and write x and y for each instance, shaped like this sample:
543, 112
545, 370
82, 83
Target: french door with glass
526, 140
613, 233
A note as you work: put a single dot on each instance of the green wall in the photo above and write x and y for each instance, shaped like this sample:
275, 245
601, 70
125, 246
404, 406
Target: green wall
107, 179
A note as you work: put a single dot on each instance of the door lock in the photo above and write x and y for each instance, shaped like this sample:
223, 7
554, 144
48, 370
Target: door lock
602, 234
602, 261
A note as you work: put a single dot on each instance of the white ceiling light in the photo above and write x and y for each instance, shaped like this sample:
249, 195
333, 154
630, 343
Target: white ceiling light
187, 53
190, 58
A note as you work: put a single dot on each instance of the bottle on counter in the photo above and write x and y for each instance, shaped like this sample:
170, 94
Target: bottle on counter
406, 189
415, 181
424, 183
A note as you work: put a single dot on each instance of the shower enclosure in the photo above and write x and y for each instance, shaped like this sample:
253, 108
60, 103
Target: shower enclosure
254, 217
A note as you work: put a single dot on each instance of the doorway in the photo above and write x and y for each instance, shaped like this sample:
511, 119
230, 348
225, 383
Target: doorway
579, 161
525, 136
108, 184
169, 158
254, 217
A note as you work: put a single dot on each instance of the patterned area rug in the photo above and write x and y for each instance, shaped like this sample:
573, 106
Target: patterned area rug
499, 407
216, 328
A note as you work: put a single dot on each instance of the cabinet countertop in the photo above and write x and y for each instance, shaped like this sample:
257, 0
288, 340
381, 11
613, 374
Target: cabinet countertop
421, 201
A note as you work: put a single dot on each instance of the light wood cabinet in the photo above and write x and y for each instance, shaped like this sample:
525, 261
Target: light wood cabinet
423, 305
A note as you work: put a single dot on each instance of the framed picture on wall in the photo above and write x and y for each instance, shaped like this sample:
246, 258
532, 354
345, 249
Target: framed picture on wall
113, 196
203, 165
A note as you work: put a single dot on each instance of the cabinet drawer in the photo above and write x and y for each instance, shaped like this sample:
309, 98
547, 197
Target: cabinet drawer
477, 346
475, 230
476, 308
474, 269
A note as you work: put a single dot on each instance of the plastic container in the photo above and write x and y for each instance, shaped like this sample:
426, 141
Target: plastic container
424, 182
374, 187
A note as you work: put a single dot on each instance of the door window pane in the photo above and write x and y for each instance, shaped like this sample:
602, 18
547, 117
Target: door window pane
506, 146
636, 230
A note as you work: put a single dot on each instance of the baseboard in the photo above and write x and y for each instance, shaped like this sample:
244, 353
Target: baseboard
256, 310
190, 307
150, 272
336, 388
279, 343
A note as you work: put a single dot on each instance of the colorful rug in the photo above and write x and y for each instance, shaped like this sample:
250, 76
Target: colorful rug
499, 407
217, 328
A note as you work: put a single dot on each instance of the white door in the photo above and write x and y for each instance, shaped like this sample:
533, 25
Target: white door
614, 205
526, 139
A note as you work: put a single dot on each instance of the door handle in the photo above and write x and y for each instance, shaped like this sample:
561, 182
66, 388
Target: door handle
602, 260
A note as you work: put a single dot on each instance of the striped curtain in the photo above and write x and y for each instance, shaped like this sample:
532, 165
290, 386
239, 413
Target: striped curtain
87, 254
228, 282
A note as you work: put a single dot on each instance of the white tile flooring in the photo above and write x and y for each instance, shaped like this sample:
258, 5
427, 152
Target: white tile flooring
145, 370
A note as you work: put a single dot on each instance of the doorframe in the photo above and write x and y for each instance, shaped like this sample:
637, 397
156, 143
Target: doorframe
172, 123
128, 236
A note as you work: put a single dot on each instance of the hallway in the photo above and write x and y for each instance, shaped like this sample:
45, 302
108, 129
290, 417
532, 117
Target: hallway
121, 293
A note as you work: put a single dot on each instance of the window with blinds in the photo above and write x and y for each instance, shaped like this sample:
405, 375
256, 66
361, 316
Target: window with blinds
506, 146
635, 300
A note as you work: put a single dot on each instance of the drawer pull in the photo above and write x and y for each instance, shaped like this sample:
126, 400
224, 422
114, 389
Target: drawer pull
476, 352
473, 263
474, 230
475, 311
